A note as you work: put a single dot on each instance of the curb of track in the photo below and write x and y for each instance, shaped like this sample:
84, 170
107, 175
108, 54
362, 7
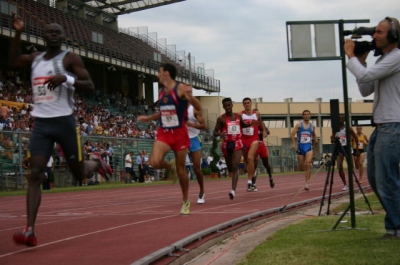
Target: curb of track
176, 253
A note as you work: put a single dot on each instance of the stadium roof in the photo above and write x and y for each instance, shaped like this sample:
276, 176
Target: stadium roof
120, 7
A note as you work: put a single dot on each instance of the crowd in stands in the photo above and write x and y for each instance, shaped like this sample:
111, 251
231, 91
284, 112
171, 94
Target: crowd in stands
94, 119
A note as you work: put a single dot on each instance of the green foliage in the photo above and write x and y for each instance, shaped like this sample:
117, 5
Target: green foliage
213, 164
51, 178
206, 171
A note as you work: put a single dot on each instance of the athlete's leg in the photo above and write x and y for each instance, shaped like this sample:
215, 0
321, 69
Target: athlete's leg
301, 162
237, 154
157, 155
340, 159
361, 167
196, 158
180, 162
34, 193
307, 164
249, 159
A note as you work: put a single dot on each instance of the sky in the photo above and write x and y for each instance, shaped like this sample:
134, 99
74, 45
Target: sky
245, 43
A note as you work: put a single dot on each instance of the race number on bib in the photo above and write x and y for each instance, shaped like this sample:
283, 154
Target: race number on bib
248, 131
169, 116
305, 138
343, 140
41, 93
233, 129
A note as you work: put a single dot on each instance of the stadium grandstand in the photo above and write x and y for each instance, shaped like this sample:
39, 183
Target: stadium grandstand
116, 58
123, 64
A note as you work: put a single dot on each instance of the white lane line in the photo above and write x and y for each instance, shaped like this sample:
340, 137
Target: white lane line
86, 234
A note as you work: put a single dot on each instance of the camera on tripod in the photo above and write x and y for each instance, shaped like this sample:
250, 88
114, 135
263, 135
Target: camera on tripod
362, 47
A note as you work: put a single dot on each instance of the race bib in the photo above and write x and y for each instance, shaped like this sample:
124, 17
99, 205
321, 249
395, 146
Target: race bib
41, 93
169, 116
343, 140
360, 145
248, 131
305, 138
233, 129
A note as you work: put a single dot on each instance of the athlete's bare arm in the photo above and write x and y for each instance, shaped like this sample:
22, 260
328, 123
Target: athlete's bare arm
199, 117
294, 133
218, 125
16, 59
262, 124
185, 91
315, 140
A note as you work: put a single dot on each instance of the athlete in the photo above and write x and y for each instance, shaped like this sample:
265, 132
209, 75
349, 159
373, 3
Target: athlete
306, 138
342, 151
229, 127
361, 143
55, 74
194, 124
250, 140
252, 143
172, 133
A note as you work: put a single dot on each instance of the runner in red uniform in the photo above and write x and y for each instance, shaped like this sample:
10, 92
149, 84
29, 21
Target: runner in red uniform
229, 127
173, 133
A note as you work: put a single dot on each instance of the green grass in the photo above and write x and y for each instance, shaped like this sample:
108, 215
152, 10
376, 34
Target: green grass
312, 241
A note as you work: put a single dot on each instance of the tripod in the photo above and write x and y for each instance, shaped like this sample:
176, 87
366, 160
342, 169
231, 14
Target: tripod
329, 181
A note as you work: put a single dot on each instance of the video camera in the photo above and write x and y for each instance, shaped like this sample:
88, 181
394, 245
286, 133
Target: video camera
362, 47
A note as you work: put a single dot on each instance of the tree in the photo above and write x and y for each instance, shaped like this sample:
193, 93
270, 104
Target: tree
213, 164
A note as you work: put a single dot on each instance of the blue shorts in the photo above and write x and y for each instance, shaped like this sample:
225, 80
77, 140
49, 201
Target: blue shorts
195, 144
303, 149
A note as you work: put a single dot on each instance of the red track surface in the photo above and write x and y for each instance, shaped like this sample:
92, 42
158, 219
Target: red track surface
121, 226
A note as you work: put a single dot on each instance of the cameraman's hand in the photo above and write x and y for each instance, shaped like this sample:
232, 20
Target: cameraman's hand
349, 48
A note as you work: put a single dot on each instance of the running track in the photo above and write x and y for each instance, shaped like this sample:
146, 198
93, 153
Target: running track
121, 226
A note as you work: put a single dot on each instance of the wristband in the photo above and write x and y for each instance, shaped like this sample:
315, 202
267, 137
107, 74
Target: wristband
70, 80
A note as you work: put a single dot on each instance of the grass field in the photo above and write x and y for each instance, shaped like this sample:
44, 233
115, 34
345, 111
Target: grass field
312, 241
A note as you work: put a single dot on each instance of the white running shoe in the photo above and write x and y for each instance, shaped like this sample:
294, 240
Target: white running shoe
201, 200
232, 194
345, 188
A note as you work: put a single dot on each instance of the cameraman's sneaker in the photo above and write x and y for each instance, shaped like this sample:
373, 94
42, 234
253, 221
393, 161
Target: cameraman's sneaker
271, 182
25, 238
201, 200
104, 169
185, 210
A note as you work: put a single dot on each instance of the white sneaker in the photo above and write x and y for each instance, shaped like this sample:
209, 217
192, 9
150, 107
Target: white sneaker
232, 194
345, 188
306, 187
201, 200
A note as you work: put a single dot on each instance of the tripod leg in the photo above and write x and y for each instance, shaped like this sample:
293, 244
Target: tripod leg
341, 217
362, 191
326, 186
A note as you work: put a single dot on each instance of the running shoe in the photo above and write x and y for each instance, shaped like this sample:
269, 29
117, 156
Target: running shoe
185, 210
249, 187
345, 188
306, 187
254, 187
201, 200
271, 182
232, 194
25, 238
173, 174
104, 169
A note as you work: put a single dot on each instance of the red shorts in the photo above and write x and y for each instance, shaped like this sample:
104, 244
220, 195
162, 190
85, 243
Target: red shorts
247, 143
177, 139
262, 150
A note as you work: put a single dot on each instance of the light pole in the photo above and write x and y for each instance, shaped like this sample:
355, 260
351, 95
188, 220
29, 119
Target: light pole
190, 69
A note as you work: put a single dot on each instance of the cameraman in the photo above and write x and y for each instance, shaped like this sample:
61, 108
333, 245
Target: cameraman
383, 79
